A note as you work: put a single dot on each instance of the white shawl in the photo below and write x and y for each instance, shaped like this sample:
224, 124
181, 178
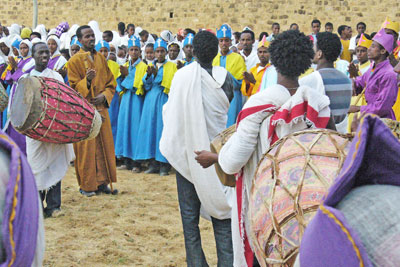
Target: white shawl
195, 113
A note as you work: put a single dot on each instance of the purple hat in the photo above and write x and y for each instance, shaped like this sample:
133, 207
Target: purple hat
331, 239
61, 28
384, 39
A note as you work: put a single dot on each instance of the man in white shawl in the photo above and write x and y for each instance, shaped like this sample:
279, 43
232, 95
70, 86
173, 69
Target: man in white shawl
267, 116
195, 113
49, 162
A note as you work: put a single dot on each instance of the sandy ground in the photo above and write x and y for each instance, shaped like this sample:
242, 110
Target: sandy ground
139, 227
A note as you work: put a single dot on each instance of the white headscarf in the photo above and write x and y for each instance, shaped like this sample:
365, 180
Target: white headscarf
71, 32
97, 33
55, 38
42, 30
4, 58
15, 30
29, 44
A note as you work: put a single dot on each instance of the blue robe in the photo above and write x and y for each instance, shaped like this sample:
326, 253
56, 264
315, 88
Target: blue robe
113, 111
237, 102
130, 112
151, 123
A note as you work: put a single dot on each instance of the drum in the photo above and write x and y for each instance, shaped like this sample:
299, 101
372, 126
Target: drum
291, 180
3, 98
47, 110
216, 144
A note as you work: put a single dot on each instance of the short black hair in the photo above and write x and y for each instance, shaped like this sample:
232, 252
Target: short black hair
251, 33
130, 25
262, 35
143, 33
121, 27
361, 23
149, 45
66, 52
80, 29
329, 24
237, 35
36, 34
205, 46
34, 47
316, 21
341, 28
188, 30
108, 33
330, 45
275, 24
291, 25
287, 44
373, 34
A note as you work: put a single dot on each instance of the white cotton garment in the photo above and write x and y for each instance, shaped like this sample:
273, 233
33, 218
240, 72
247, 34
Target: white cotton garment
195, 113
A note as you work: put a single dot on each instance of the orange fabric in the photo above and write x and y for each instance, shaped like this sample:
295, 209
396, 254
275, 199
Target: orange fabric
253, 88
346, 55
95, 159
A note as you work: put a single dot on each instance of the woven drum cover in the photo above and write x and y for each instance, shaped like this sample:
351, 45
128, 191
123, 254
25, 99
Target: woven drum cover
290, 182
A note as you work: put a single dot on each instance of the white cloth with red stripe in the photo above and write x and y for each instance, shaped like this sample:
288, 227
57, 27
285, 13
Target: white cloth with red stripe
256, 131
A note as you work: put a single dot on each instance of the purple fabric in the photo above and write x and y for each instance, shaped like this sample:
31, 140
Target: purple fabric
18, 138
384, 39
52, 62
25, 223
323, 240
381, 89
13, 77
61, 28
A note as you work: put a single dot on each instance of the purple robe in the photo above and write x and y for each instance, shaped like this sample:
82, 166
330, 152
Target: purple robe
21, 201
52, 62
12, 78
374, 158
381, 89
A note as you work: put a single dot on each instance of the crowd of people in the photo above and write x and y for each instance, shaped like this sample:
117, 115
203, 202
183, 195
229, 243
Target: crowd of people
164, 98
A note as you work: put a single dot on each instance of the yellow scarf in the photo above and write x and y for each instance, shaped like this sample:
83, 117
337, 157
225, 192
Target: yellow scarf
169, 70
114, 67
234, 64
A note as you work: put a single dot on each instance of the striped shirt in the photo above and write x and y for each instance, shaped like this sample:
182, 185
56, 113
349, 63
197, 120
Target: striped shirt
339, 89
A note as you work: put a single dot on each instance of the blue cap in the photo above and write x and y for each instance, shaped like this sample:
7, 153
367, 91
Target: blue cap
16, 43
75, 41
160, 43
102, 44
188, 40
224, 32
134, 41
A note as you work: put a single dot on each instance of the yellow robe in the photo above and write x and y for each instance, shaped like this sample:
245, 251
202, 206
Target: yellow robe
95, 159
234, 64
346, 55
253, 87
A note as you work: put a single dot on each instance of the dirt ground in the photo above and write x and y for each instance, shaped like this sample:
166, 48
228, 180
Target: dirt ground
139, 227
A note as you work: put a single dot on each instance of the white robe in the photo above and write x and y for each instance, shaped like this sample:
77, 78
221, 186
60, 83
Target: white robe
49, 162
252, 60
195, 113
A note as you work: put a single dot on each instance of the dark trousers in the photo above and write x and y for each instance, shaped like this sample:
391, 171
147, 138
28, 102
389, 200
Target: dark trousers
52, 197
189, 205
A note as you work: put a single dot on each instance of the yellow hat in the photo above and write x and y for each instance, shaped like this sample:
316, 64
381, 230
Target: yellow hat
364, 42
391, 25
263, 42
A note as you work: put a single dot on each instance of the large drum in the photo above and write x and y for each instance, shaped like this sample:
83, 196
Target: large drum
216, 144
289, 184
50, 111
3, 98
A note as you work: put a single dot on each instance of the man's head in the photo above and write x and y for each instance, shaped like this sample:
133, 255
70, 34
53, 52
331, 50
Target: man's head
361, 27
86, 37
134, 52
343, 32
236, 35
188, 46
41, 55
275, 28
315, 26
327, 48
173, 51
121, 28
205, 47
149, 52
130, 29
144, 36
247, 40
187, 31
35, 35
294, 27
362, 47
329, 27
377, 52
262, 35
283, 48
108, 36
161, 48
263, 55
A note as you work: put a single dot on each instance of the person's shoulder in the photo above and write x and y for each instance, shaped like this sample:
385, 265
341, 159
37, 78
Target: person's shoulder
112, 63
236, 56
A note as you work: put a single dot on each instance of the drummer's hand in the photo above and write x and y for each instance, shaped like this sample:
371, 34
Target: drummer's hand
353, 70
90, 74
63, 72
13, 64
98, 100
248, 77
124, 71
206, 158
354, 109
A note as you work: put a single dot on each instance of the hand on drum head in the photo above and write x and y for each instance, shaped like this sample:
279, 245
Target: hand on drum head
206, 158
98, 100
90, 74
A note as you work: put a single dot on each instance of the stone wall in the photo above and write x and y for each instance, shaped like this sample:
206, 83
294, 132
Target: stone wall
157, 15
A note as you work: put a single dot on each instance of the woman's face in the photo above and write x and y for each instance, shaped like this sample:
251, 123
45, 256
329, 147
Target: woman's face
24, 50
52, 46
15, 51
5, 49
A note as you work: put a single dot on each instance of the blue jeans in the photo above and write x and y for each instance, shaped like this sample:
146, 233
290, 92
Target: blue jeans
189, 205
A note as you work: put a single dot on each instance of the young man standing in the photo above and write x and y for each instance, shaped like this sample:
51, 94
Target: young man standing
345, 35
249, 54
361, 28
197, 109
315, 27
329, 27
89, 74
233, 63
188, 49
275, 31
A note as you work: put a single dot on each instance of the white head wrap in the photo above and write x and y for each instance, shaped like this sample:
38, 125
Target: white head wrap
55, 38
42, 30
97, 33
29, 44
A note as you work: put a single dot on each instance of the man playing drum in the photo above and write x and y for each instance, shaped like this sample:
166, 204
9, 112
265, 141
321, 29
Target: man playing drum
49, 161
89, 74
